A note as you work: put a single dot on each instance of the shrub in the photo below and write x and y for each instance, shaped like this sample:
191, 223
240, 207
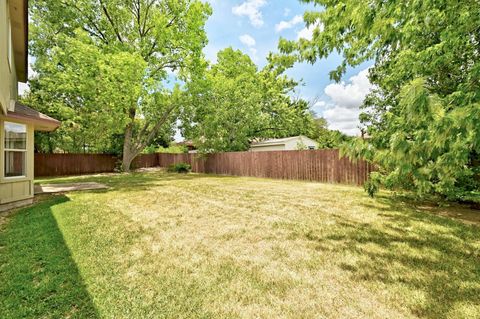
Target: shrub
372, 185
173, 149
179, 168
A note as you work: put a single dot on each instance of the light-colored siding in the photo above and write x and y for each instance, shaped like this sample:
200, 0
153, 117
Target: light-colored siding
14, 189
266, 148
8, 77
11, 189
293, 144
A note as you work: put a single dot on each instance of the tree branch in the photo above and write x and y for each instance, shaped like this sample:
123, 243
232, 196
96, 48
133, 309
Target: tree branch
100, 34
142, 143
109, 18
147, 10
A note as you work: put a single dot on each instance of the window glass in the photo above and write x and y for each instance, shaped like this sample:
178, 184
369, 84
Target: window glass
14, 164
15, 149
15, 136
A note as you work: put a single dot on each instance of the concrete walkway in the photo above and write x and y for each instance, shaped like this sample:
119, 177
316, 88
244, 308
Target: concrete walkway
67, 187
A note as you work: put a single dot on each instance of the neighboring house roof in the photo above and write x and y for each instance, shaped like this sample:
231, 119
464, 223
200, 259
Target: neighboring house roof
41, 121
186, 143
278, 141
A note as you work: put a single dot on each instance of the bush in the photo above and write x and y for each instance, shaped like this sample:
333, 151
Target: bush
173, 149
372, 185
179, 168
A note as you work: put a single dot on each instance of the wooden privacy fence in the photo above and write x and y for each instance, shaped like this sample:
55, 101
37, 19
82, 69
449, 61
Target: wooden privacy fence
319, 165
73, 164
313, 165
78, 164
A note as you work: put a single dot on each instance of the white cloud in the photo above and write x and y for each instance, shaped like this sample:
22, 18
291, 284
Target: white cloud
342, 114
253, 54
251, 9
286, 12
307, 32
248, 40
283, 25
350, 95
343, 119
320, 104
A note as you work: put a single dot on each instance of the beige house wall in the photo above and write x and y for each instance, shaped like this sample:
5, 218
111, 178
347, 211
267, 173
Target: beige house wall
266, 148
8, 77
17, 188
12, 189
293, 144
287, 145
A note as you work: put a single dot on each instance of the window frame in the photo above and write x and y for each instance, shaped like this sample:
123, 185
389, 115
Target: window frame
18, 150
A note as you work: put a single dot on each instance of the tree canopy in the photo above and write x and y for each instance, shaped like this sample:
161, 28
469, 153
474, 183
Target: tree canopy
234, 103
102, 65
327, 138
422, 117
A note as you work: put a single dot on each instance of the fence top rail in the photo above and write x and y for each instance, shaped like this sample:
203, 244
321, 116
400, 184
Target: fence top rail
74, 154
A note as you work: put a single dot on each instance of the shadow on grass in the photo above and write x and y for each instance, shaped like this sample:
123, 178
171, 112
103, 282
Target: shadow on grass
436, 258
135, 181
39, 278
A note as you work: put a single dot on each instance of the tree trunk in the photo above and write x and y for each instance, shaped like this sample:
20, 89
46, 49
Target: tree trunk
128, 153
127, 161
131, 149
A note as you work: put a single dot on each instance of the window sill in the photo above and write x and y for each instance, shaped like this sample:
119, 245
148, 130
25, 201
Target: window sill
14, 179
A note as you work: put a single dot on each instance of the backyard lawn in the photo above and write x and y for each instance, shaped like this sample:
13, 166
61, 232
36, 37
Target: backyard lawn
158, 245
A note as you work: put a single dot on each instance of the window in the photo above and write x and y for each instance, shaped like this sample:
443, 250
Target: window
15, 149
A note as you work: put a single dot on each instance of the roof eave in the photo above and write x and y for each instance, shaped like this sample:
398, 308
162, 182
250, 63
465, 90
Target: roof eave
25, 114
19, 19
44, 125
267, 144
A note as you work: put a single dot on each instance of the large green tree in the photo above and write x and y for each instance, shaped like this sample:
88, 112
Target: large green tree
325, 137
234, 103
103, 64
423, 116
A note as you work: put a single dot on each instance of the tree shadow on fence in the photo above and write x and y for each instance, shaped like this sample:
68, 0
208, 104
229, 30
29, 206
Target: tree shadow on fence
39, 277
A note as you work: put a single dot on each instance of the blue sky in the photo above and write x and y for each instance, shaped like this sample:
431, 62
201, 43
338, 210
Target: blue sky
255, 26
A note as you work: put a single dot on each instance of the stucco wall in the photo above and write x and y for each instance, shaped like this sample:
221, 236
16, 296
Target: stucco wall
268, 148
288, 145
16, 188
8, 78
293, 144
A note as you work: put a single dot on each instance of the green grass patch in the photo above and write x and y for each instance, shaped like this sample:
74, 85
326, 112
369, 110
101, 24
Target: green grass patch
158, 245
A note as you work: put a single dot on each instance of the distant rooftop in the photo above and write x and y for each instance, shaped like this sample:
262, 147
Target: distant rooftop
276, 141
